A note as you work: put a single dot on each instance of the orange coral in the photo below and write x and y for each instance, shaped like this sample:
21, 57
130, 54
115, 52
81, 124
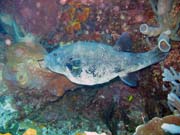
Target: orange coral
71, 12
74, 26
76, 17
30, 131
75, 4
82, 17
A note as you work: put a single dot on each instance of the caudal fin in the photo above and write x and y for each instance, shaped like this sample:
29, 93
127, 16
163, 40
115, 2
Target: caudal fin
143, 60
155, 56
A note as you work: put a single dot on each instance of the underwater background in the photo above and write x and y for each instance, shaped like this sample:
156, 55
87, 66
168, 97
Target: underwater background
36, 101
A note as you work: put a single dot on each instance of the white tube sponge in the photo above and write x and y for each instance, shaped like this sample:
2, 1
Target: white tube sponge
171, 128
163, 43
150, 31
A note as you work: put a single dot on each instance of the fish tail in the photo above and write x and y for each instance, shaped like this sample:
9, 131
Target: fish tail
155, 56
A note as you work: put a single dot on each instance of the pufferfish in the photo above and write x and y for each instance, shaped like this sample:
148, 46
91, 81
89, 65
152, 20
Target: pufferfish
91, 63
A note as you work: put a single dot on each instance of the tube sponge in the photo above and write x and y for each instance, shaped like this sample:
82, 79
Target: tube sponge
163, 7
163, 43
149, 30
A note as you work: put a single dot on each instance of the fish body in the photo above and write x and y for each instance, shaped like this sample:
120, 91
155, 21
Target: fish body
91, 63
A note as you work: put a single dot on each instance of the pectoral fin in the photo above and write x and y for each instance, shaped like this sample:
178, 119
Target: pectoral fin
131, 79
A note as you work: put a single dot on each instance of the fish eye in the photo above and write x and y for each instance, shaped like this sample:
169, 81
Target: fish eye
70, 59
177, 81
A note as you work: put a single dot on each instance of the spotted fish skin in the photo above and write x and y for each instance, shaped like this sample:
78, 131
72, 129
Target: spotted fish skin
91, 63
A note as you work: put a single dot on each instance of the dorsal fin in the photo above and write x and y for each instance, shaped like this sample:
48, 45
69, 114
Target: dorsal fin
124, 43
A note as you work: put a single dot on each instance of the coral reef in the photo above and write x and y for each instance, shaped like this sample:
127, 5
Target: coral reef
8, 114
23, 75
37, 96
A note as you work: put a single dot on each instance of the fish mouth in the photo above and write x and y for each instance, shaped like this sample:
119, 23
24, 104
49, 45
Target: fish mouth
41, 63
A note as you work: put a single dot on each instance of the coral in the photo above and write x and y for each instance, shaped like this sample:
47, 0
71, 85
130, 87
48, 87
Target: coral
10, 26
104, 21
166, 30
22, 63
2, 52
149, 31
3, 88
171, 128
170, 75
173, 102
153, 127
30, 131
74, 16
163, 42
8, 114
73, 26
24, 76
23, 71
6, 134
